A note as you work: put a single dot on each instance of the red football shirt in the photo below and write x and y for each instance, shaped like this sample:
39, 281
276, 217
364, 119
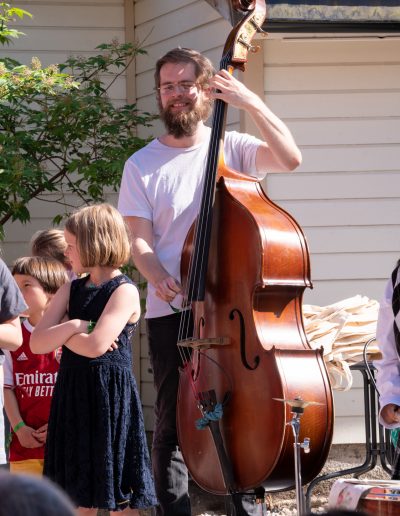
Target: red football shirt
32, 377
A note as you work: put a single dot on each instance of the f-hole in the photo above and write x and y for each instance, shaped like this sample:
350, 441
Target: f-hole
197, 355
246, 364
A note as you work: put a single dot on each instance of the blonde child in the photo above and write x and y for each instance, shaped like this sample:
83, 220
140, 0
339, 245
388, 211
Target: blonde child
11, 305
96, 446
29, 379
50, 243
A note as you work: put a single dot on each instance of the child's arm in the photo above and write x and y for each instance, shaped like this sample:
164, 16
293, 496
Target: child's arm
24, 432
49, 334
11, 334
123, 306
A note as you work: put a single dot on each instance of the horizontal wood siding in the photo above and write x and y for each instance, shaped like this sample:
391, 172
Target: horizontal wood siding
341, 100
61, 28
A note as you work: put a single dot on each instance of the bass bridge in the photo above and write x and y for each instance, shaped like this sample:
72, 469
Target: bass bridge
199, 344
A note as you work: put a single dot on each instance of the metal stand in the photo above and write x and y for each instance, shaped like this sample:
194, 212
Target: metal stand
295, 423
376, 438
297, 408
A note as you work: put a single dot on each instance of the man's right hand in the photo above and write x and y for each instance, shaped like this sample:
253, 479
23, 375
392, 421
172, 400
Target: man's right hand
167, 289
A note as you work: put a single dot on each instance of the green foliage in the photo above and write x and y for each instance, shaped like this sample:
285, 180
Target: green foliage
61, 134
7, 15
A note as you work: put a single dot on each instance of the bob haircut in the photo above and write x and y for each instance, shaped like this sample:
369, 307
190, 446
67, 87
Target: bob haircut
50, 243
50, 273
203, 67
101, 236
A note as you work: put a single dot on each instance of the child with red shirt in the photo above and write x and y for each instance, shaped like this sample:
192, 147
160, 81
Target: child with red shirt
29, 378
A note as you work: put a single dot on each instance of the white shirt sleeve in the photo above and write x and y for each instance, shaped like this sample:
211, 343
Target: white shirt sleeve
133, 200
8, 370
388, 369
240, 152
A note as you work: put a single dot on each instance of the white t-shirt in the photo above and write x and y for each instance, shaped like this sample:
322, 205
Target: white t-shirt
163, 184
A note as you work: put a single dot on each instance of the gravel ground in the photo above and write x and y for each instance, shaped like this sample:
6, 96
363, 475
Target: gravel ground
284, 504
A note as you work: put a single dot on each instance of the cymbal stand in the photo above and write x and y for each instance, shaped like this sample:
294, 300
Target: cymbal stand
297, 412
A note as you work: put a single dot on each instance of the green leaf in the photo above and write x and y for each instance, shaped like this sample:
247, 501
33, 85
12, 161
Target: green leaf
19, 12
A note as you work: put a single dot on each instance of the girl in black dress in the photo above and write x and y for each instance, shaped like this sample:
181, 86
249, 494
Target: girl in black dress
96, 446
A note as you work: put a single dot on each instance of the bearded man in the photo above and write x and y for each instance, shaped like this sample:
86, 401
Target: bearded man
160, 198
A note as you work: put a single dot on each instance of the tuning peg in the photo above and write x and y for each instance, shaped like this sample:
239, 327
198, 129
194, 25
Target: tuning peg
250, 48
257, 24
260, 30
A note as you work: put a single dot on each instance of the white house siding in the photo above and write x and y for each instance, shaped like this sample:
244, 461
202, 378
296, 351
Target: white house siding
341, 99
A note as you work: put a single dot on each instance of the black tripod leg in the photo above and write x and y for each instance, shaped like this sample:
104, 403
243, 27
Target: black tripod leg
233, 505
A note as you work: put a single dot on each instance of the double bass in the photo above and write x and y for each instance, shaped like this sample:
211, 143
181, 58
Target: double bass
245, 266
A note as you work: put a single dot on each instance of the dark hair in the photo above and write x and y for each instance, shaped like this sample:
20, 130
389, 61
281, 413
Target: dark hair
50, 273
203, 67
21, 495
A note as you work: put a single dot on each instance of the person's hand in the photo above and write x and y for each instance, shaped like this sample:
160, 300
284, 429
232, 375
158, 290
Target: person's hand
113, 346
391, 413
226, 87
88, 327
40, 433
167, 289
27, 438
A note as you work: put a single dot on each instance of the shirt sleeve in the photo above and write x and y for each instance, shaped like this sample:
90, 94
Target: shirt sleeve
388, 369
11, 301
8, 370
133, 200
241, 152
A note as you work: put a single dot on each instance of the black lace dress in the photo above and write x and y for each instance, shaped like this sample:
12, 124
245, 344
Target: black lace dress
96, 446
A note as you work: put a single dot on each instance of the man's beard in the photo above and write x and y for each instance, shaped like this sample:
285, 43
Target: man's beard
184, 123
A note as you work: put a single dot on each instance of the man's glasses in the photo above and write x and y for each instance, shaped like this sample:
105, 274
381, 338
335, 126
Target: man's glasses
181, 86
